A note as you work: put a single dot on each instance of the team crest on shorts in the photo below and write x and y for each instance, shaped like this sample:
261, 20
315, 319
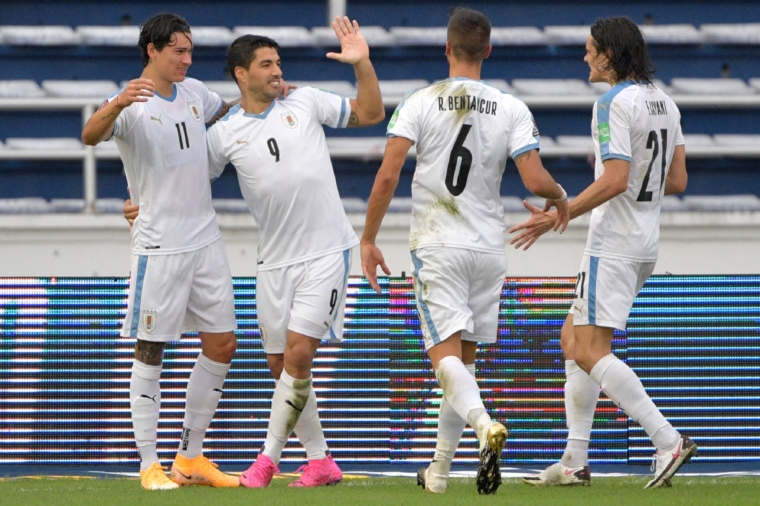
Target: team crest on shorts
289, 119
194, 111
149, 321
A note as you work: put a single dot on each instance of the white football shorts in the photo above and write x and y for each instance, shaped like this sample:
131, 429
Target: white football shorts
605, 290
458, 289
308, 298
184, 292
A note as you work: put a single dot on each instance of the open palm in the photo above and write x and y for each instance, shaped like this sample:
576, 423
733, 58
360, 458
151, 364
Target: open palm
353, 45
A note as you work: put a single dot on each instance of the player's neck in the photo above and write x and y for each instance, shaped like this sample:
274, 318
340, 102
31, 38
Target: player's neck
254, 105
163, 87
468, 70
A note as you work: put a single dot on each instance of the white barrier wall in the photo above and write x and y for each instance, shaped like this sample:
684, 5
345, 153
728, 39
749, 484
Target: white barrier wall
98, 245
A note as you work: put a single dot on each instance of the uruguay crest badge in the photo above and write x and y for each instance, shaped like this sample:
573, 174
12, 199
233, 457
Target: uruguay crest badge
194, 111
149, 321
289, 119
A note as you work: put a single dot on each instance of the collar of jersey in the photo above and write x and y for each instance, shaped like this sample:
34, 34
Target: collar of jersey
263, 115
168, 99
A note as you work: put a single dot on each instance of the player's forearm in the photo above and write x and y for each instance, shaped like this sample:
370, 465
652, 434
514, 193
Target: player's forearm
379, 200
592, 197
100, 125
368, 97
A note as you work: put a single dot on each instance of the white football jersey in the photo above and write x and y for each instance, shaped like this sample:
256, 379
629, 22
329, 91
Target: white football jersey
464, 131
286, 176
162, 143
642, 125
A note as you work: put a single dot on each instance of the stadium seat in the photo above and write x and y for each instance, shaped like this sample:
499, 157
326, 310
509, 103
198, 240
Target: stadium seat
285, 36
512, 204
719, 86
361, 148
110, 206
672, 204
109, 35
546, 142
80, 89
354, 205
107, 149
43, 144
518, 36
212, 36
567, 35
342, 88
400, 205
376, 36
418, 36
573, 141
32, 205
230, 206
755, 83
393, 91
552, 87
66, 205
500, 84
20, 88
698, 140
228, 90
738, 140
39, 36
602, 88
736, 33
672, 34
722, 203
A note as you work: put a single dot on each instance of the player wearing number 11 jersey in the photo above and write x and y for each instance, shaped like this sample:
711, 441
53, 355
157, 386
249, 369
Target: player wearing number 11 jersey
640, 157
464, 131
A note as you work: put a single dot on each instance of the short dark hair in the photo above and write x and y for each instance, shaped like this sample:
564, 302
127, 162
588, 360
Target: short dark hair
469, 33
625, 46
242, 51
159, 31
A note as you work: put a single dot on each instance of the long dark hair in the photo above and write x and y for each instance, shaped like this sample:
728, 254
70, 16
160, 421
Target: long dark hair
159, 31
625, 47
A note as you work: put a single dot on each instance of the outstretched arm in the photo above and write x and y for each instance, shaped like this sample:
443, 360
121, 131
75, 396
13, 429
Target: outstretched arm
539, 182
379, 200
367, 108
100, 125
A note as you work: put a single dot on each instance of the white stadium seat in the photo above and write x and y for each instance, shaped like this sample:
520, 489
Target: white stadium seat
400, 205
393, 91
362, 148
111, 206
512, 204
109, 35
354, 205
698, 140
500, 84
671, 203
212, 36
546, 141
43, 143
719, 86
602, 88
722, 203
736, 33
79, 89
20, 88
584, 141
755, 83
552, 87
342, 88
737, 140
230, 206
285, 36
107, 149
567, 35
32, 205
518, 36
228, 90
40, 35
418, 36
672, 34
66, 205
376, 36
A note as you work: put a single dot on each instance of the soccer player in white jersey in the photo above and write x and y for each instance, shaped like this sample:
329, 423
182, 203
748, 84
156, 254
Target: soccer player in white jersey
465, 130
279, 150
180, 278
640, 157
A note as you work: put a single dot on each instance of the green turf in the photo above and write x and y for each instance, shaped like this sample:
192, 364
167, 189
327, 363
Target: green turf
382, 492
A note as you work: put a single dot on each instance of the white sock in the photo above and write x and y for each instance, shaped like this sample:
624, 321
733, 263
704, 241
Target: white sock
145, 402
308, 429
624, 388
288, 402
204, 389
450, 428
462, 392
581, 396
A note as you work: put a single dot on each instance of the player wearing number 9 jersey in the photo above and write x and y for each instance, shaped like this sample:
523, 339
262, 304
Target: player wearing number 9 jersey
464, 131
279, 150
640, 156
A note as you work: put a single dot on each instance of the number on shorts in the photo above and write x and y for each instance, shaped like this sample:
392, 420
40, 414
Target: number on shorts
580, 282
333, 300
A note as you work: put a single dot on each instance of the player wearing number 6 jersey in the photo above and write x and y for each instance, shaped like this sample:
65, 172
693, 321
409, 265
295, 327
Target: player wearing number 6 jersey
279, 150
464, 130
640, 157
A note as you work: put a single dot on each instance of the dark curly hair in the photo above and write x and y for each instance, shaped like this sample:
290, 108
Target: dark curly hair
159, 31
469, 32
625, 46
242, 51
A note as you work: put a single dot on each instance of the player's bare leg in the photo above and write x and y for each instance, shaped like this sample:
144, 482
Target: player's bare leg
204, 389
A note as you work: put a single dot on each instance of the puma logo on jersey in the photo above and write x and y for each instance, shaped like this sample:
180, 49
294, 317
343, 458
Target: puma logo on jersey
244, 141
158, 120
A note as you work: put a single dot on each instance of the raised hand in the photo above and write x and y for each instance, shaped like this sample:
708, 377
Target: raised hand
138, 90
353, 46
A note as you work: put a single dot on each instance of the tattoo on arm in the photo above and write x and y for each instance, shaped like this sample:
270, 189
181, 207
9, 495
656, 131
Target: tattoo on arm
149, 353
522, 156
109, 115
353, 120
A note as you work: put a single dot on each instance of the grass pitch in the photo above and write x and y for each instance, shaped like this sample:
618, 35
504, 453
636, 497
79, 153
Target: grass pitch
383, 492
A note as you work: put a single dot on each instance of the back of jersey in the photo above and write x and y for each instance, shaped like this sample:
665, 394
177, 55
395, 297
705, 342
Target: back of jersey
640, 124
464, 131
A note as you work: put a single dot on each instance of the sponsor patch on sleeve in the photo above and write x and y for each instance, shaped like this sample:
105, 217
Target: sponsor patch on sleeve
604, 132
